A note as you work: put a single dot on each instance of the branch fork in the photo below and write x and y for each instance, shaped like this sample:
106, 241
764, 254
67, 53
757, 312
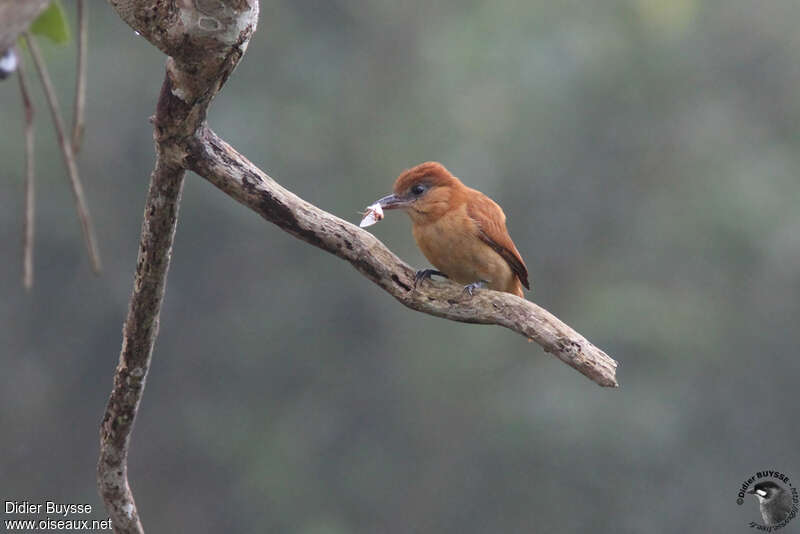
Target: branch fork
205, 40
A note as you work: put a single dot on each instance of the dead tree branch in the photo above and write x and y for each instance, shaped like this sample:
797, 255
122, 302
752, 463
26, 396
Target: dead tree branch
205, 41
205, 46
138, 338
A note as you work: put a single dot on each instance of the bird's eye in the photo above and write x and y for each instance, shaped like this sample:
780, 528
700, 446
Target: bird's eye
418, 189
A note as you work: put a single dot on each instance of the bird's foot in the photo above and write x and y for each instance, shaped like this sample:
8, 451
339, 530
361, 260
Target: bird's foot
469, 288
425, 274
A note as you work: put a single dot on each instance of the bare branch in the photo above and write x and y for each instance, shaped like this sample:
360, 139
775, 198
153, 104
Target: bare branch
206, 41
66, 151
211, 42
78, 117
28, 227
138, 338
215, 160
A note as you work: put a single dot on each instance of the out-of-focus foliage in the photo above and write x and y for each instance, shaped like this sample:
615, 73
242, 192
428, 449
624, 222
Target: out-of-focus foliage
52, 23
647, 156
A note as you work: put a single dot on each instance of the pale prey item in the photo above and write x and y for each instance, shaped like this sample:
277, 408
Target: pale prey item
373, 214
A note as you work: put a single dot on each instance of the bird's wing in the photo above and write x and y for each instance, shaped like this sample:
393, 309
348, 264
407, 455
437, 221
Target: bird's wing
492, 224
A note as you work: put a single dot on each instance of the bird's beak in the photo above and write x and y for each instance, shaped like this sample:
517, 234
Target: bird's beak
751, 491
393, 202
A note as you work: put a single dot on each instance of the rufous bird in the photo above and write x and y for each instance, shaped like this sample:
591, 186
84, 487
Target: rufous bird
460, 230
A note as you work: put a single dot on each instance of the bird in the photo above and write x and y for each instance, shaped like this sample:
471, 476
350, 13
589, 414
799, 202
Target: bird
774, 501
460, 230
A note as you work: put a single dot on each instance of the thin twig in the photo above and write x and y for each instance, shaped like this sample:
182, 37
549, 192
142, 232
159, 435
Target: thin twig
28, 226
78, 117
66, 151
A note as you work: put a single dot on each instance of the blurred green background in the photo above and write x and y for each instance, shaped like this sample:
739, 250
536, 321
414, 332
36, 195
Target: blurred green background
646, 154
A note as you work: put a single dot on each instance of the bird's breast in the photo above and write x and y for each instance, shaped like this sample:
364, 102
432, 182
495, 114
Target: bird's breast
452, 244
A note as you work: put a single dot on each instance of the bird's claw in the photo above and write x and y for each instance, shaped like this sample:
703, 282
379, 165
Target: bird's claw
469, 288
425, 274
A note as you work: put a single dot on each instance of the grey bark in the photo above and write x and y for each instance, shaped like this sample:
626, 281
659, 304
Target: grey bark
215, 36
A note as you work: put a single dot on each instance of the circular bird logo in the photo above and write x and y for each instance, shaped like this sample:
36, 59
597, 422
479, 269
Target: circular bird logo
777, 499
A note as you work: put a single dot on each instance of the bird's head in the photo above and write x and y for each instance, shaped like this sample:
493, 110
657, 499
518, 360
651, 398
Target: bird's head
425, 192
765, 491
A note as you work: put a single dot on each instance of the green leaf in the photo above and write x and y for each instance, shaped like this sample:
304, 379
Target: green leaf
52, 23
